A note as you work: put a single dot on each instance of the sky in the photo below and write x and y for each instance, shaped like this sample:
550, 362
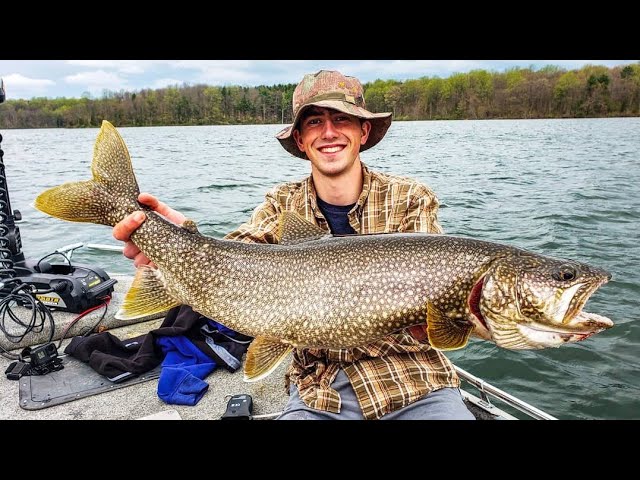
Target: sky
26, 79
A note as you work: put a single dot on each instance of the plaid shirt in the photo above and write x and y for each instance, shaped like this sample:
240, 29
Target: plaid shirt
392, 372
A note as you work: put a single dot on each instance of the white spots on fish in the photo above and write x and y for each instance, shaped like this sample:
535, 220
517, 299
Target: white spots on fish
374, 291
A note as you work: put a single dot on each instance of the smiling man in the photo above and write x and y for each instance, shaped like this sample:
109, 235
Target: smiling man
399, 376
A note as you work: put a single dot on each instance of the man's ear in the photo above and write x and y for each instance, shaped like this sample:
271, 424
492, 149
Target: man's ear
366, 129
298, 138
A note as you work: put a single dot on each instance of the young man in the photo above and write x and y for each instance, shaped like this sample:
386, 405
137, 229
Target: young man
399, 376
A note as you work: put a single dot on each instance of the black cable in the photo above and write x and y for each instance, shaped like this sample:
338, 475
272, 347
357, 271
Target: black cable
51, 255
24, 295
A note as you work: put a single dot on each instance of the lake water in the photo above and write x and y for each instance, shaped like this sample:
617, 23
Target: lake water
566, 188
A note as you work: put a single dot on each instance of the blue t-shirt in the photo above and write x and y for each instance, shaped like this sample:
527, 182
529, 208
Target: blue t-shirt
337, 217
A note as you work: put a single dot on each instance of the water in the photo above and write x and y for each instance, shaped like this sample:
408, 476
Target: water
567, 188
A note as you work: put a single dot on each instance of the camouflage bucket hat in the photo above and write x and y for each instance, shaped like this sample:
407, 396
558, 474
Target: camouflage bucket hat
331, 89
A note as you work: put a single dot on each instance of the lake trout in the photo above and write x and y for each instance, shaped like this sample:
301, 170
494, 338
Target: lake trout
316, 290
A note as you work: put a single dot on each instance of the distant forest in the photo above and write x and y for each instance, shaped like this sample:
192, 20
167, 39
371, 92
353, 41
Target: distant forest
550, 92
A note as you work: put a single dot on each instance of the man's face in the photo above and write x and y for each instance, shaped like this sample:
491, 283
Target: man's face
331, 139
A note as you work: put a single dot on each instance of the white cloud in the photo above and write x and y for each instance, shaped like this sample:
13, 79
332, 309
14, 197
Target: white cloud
219, 72
19, 86
98, 81
134, 67
224, 76
94, 63
204, 65
166, 82
24, 82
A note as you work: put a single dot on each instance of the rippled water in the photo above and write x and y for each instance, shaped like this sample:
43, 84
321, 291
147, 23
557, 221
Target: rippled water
566, 188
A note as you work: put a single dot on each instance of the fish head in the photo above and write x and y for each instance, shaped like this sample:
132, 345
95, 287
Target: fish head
533, 302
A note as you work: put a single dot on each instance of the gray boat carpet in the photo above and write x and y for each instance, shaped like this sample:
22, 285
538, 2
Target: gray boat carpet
76, 380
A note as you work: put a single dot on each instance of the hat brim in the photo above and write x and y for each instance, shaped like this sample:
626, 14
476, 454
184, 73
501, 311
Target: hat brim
380, 123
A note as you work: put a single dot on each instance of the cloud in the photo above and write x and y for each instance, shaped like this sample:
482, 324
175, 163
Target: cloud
19, 86
98, 81
167, 82
95, 63
219, 72
134, 67
213, 64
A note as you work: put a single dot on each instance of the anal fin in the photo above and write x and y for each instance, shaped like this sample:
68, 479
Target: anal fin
445, 333
263, 357
146, 296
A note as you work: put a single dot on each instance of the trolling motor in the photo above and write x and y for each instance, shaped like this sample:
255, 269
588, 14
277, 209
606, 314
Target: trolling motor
68, 287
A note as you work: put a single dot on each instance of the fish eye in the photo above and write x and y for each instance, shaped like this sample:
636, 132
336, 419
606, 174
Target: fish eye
564, 274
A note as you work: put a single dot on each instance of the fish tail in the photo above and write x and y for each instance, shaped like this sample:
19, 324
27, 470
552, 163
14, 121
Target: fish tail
108, 197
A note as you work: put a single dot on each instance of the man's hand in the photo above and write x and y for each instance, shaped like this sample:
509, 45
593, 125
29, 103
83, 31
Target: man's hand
123, 229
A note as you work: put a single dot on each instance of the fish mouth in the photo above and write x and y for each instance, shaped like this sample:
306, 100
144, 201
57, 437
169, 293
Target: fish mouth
592, 324
542, 336
573, 324
551, 323
573, 301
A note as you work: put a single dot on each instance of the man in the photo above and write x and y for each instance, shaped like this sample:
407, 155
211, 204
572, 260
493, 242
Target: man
399, 376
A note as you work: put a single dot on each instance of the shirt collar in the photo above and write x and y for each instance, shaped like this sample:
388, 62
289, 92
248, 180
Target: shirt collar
366, 188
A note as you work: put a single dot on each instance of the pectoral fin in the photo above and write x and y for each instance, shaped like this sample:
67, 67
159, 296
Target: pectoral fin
147, 296
445, 333
190, 226
263, 357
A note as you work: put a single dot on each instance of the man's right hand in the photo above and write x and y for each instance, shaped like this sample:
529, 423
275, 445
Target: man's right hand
123, 229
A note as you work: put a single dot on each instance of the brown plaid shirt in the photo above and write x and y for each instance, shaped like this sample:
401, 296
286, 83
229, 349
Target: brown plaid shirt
392, 372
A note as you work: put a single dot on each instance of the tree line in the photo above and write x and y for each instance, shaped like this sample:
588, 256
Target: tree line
550, 92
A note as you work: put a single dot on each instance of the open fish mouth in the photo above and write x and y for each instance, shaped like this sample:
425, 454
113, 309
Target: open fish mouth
586, 324
580, 327
564, 322
591, 321
573, 301
547, 336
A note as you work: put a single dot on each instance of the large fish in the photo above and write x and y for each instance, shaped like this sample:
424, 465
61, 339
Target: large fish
322, 291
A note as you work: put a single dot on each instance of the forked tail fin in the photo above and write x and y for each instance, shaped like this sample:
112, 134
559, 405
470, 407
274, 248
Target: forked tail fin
108, 197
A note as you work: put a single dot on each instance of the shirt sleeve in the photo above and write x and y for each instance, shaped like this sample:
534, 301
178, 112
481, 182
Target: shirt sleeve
422, 212
262, 226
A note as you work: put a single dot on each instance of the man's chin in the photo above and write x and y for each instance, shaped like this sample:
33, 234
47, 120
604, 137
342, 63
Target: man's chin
330, 166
